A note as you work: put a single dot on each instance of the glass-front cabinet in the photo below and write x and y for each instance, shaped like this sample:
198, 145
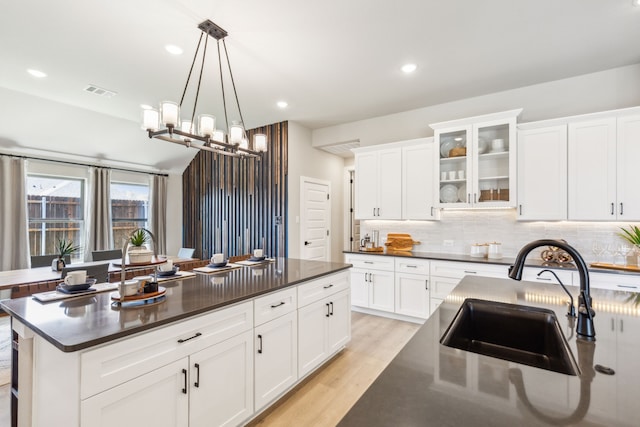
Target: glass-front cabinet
476, 165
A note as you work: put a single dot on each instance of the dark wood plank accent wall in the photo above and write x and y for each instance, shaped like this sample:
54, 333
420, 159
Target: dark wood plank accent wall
231, 204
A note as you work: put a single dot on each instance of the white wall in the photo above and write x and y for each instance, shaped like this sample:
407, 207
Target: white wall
304, 160
606, 90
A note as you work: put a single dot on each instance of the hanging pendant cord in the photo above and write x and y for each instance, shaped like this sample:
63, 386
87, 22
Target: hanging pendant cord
235, 92
195, 55
224, 99
195, 104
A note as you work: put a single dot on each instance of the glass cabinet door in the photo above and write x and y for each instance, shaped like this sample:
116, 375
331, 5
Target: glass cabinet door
454, 166
492, 164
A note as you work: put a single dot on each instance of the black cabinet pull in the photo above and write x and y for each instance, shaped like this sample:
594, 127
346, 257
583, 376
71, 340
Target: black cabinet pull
378, 211
426, 284
184, 389
328, 286
612, 207
197, 383
374, 211
520, 207
260, 344
621, 209
431, 210
180, 341
278, 305
328, 313
331, 303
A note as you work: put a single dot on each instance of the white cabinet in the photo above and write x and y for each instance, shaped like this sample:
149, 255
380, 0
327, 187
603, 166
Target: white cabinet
418, 185
372, 281
276, 358
221, 383
615, 281
603, 173
542, 174
628, 172
378, 174
412, 287
592, 170
158, 398
324, 327
475, 161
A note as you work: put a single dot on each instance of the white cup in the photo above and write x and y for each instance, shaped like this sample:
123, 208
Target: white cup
77, 277
497, 144
443, 176
167, 266
452, 174
257, 253
460, 174
130, 287
217, 258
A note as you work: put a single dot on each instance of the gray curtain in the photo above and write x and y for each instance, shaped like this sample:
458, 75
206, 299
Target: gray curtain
99, 233
14, 232
158, 211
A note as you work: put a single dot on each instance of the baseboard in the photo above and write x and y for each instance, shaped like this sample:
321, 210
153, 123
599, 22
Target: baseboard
389, 315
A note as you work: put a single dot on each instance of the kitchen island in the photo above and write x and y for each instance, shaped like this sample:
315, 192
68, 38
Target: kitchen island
431, 384
215, 349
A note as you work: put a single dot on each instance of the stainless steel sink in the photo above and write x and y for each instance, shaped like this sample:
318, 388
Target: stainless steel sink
522, 334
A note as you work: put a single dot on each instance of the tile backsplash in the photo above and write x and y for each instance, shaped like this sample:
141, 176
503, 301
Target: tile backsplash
462, 228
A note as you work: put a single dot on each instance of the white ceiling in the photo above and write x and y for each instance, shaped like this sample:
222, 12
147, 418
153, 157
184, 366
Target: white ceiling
333, 61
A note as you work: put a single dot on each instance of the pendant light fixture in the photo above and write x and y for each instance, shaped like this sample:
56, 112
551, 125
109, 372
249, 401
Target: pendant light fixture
201, 131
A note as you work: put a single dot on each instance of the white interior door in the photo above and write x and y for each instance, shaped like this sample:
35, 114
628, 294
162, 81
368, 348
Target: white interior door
315, 219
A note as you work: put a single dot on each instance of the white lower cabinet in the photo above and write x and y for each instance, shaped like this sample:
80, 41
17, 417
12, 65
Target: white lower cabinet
324, 327
221, 383
158, 398
412, 295
373, 289
276, 361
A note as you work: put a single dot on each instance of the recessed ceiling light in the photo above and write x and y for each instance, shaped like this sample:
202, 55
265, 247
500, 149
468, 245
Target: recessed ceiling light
146, 107
282, 104
173, 49
409, 68
36, 73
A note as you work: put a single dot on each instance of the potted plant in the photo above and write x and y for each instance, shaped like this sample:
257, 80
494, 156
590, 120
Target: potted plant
64, 248
632, 235
138, 253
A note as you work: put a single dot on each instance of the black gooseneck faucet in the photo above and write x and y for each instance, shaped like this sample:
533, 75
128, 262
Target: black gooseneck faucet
584, 328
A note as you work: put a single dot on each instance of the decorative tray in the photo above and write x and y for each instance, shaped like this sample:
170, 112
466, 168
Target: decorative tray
115, 297
632, 268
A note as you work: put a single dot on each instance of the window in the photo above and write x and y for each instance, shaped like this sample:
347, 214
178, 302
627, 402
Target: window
129, 209
56, 211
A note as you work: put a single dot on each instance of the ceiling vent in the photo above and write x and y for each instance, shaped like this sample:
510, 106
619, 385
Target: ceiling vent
342, 149
99, 91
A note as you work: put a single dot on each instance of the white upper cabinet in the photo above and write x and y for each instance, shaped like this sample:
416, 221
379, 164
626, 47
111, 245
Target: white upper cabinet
476, 161
418, 201
542, 174
378, 184
628, 182
592, 170
603, 171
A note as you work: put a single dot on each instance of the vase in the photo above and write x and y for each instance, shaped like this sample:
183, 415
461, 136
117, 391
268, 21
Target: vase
633, 256
58, 264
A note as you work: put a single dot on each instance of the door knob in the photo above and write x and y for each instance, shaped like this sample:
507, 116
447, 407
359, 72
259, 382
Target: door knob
306, 243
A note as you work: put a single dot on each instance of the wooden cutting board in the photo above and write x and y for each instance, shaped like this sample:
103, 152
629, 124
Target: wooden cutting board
400, 242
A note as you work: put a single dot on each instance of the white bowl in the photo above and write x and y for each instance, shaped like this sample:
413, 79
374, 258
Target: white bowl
140, 256
130, 287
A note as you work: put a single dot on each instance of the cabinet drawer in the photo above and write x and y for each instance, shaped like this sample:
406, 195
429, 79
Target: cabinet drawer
274, 305
616, 282
442, 286
121, 361
458, 270
315, 290
530, 274
412, 265
371, 262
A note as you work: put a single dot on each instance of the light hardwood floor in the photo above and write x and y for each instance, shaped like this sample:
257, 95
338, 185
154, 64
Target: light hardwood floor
324, 398
327, 396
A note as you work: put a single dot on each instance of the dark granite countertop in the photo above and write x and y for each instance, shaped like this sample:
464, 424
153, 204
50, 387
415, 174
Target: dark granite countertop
82, 322
429, 384
531, 260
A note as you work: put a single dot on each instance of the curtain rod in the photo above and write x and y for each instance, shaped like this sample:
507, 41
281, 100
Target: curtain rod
66, 162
